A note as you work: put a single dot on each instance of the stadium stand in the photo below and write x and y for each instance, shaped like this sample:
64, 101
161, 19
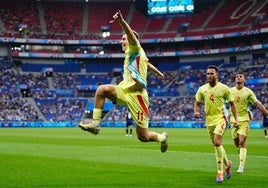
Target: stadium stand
68, 92
63, 17
181, 85
99, 14
74, 20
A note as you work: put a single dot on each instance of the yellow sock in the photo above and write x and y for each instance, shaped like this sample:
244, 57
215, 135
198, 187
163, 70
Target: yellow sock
243, 155
160, 137
225, 159
97, 114
219, 158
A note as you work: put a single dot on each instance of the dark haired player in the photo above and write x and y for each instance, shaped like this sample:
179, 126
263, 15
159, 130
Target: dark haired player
129, 123
213, 95
243, 97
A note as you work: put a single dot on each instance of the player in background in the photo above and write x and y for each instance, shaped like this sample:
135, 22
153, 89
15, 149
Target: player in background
213, 96
265, 124
243, 97
131, 91
129, 123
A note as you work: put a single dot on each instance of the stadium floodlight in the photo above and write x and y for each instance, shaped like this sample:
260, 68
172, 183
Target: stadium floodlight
105, 31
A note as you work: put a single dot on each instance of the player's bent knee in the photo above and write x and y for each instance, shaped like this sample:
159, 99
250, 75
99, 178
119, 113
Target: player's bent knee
143, 138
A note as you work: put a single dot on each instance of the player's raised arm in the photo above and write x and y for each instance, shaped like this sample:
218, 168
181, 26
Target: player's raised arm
132, 39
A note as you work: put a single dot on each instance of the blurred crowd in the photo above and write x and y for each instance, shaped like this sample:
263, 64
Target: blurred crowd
56, 98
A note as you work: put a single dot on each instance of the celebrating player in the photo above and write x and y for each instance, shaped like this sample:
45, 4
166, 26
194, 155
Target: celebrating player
213, 95
243, 97
131, 91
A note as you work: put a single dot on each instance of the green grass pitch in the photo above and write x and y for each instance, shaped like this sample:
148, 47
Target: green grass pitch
69, 157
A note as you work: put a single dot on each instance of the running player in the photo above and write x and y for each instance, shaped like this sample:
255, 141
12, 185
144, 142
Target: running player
243, 97
213, 95
265, 124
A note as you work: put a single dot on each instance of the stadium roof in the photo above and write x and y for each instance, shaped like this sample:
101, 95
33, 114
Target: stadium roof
90, 0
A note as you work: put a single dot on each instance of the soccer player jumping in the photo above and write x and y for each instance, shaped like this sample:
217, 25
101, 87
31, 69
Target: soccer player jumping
131, 91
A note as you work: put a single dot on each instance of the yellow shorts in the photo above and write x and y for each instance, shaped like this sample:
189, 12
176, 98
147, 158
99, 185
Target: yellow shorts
137, 103
242, 129
218, 129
